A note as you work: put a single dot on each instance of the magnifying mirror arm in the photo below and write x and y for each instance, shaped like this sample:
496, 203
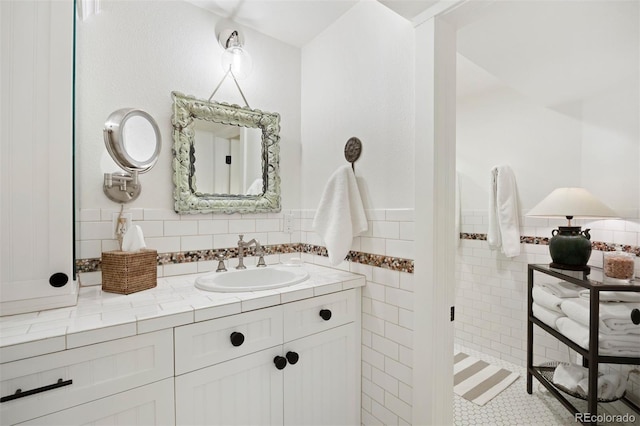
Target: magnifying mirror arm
120, 179
121, 186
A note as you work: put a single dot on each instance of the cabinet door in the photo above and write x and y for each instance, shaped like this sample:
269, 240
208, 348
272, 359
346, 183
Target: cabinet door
36, 207
322, 387
242, 391
95, 371
147, 405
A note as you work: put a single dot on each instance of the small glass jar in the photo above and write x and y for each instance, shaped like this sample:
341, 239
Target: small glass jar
618, 265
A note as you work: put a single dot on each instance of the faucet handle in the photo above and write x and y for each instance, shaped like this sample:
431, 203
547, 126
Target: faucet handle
260, 253
221, 266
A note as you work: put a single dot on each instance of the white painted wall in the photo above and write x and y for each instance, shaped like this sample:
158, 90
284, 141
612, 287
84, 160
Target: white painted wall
134, 55
358, 81
592, 143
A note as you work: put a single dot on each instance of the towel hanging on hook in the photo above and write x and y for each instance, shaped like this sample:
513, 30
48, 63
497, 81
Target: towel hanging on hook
352, 151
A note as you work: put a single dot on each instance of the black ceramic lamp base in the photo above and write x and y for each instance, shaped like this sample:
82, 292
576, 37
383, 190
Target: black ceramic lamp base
570, 248
584, 268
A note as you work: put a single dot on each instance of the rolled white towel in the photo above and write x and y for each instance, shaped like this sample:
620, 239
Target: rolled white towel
547, 316
546, 299
569, 375
610, 386
562, 289
614, 296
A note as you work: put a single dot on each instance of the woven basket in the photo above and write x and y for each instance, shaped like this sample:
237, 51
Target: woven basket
126, 272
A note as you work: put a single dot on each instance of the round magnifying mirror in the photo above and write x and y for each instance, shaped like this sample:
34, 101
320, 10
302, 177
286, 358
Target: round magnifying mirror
133, 139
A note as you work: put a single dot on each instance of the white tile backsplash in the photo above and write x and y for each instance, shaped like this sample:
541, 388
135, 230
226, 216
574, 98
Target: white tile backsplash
490, 289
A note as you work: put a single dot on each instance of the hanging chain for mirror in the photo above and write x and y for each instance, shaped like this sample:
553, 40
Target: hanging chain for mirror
237, 85
234, 36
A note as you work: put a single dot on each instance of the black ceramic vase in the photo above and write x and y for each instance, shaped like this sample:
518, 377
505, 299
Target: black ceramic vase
570, 248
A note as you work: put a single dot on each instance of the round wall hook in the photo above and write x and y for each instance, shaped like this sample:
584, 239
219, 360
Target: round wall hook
352, 150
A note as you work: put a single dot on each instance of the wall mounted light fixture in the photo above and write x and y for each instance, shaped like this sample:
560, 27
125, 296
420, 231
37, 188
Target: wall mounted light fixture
235, 58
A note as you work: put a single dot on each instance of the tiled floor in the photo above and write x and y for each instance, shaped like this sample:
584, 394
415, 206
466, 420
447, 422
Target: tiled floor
514, 406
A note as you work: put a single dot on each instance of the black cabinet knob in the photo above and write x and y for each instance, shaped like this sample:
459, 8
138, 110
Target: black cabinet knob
59, 279
280, 362
236, 338
325, 314
635, 316
292, 357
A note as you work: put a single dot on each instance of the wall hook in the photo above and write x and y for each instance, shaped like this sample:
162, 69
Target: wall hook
352, 151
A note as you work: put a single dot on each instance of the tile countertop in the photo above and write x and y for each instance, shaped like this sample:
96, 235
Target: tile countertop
100, 316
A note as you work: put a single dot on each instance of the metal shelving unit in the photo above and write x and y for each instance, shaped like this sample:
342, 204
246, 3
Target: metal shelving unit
591, 358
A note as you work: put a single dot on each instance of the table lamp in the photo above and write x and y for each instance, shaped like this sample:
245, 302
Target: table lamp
570, 246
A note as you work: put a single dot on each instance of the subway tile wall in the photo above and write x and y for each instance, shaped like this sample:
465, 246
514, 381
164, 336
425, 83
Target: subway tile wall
387, 303
491, 289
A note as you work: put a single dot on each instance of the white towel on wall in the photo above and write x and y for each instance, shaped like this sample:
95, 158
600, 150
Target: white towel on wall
504, 224
340, 215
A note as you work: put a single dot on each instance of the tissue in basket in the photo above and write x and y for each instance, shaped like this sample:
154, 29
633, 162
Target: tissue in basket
128, 272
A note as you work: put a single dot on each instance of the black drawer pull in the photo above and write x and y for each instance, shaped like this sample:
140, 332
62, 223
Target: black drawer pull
635, 316
280, 362
325, 314
20, 394
236, 338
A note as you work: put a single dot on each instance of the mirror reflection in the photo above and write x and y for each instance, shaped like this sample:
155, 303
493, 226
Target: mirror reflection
227, 159
139, 138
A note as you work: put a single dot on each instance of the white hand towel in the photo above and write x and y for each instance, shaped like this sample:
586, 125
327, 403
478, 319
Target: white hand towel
569, 375
133, 239
608, 344
562, 289
614, 296
546, 299
610, 386
547, 316
340, 215
504, 224
615, 317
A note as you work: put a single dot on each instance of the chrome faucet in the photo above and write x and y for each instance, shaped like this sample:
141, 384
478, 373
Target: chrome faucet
246, 244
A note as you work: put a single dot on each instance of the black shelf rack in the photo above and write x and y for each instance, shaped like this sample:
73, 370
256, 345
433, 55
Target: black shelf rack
590, 356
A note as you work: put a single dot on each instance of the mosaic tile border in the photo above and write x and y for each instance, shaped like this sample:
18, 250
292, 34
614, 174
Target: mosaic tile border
380, 261
595, 245
376, 260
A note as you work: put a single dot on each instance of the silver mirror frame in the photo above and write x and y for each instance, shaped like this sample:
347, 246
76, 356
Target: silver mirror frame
124, 187
114, 140
186, 109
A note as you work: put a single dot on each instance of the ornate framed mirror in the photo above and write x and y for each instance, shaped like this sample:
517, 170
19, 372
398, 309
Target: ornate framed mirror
226, 158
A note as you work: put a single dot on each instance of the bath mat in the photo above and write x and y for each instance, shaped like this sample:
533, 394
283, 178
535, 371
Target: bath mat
478, 381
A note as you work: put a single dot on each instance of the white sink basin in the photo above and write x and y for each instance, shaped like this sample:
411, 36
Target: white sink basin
252, 279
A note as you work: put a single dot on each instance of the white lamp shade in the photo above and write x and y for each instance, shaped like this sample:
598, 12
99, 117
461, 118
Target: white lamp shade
576, 202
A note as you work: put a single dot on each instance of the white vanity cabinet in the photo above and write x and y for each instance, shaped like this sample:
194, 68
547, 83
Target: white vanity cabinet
298, 367
129, 378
